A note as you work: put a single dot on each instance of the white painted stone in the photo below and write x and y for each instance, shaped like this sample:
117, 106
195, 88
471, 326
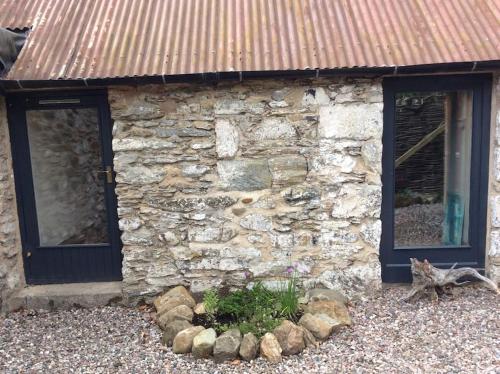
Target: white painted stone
256, 222
185, 253
226, 138
315, 96
372, 155
371, 233
245, 253
357, 201
129, 224
169, 237
139, 144
273, 128
194, 170
353, 121
202, 145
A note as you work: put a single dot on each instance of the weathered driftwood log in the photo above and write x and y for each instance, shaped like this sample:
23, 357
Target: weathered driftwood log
427, 278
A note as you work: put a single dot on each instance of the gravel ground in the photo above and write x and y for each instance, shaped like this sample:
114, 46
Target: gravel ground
419, 224
458, 335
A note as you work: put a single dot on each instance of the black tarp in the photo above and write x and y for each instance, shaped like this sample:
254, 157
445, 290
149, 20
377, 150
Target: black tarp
10, 45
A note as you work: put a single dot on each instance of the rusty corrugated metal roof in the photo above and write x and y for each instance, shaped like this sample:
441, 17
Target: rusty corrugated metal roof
122, 38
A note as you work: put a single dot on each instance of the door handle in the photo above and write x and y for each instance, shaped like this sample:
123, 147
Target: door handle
109, 174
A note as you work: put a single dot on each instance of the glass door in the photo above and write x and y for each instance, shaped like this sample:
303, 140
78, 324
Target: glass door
64, 176
435, 172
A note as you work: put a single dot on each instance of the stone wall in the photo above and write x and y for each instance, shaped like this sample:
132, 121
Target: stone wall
493, 250
11, 268
219, 185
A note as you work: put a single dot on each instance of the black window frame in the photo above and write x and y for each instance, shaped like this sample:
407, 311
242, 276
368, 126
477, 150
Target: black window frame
395, 261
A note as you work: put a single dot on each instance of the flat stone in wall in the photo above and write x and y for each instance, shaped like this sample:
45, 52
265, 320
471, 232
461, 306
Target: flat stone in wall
220, 185
11, 269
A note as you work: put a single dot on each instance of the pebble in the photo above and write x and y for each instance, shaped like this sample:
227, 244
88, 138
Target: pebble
457, 335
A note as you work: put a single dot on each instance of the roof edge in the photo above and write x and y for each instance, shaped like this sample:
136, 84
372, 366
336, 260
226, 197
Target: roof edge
464, 67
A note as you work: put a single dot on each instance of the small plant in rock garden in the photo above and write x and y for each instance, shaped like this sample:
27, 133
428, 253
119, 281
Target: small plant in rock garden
289, 294
257, 310
211, 302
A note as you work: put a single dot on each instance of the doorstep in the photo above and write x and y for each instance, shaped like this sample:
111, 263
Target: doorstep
66, 296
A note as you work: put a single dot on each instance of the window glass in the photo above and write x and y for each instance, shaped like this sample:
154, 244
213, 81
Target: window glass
432, 168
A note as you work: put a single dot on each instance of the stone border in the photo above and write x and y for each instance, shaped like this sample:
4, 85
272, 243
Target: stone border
325, 311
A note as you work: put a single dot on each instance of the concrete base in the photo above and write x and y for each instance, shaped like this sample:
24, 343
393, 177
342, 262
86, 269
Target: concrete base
66, 296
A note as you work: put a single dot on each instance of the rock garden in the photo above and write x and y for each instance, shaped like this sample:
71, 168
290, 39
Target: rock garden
243, 324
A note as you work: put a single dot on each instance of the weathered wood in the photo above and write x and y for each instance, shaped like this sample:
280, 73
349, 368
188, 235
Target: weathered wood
427, 278
422, 143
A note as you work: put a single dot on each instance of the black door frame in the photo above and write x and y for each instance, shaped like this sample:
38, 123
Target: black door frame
395, 261
65, 263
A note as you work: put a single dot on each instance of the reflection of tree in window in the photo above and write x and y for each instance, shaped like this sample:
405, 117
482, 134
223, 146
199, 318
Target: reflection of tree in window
432, 162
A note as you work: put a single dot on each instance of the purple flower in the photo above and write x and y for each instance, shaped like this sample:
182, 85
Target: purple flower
302, 268
248, 274
290, 269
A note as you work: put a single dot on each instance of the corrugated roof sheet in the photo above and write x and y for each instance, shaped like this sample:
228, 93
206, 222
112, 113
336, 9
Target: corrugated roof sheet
119, 38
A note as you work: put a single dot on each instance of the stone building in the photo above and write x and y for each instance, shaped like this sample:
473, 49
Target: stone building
171, 149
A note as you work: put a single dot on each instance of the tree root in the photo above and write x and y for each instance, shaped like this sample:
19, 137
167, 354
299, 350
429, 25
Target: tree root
427, 278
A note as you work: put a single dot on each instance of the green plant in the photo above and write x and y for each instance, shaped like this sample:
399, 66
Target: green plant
211, 302
288, 297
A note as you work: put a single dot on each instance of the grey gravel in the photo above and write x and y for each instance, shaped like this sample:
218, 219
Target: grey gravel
458, 335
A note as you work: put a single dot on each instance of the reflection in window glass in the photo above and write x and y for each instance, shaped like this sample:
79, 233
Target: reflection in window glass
432, 168
65, 160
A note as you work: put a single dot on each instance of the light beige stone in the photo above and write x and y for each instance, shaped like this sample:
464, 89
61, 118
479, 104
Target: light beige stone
174, 297
180, 312
320, 327
290, 337
183, 341
203, 343
270, 348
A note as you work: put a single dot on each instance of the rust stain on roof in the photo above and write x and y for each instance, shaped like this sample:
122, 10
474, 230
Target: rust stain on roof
125, 38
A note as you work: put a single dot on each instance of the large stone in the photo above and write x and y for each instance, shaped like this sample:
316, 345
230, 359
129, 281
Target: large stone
290, 337
180, 312
287, 170
249, 347
319, 327
353, 121
203, 343
357, 201
325, 294
174, 297
244, 175
274, 128
332, 308
183, 341
227, 138
227, 345
309, 339
256, 222
172, 329
140, 175
270, 348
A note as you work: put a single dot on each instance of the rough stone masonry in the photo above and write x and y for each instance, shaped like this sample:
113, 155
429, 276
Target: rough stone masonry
219, 185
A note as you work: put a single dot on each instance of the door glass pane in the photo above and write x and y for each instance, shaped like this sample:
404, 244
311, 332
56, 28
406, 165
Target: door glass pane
432, 168
69, 191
